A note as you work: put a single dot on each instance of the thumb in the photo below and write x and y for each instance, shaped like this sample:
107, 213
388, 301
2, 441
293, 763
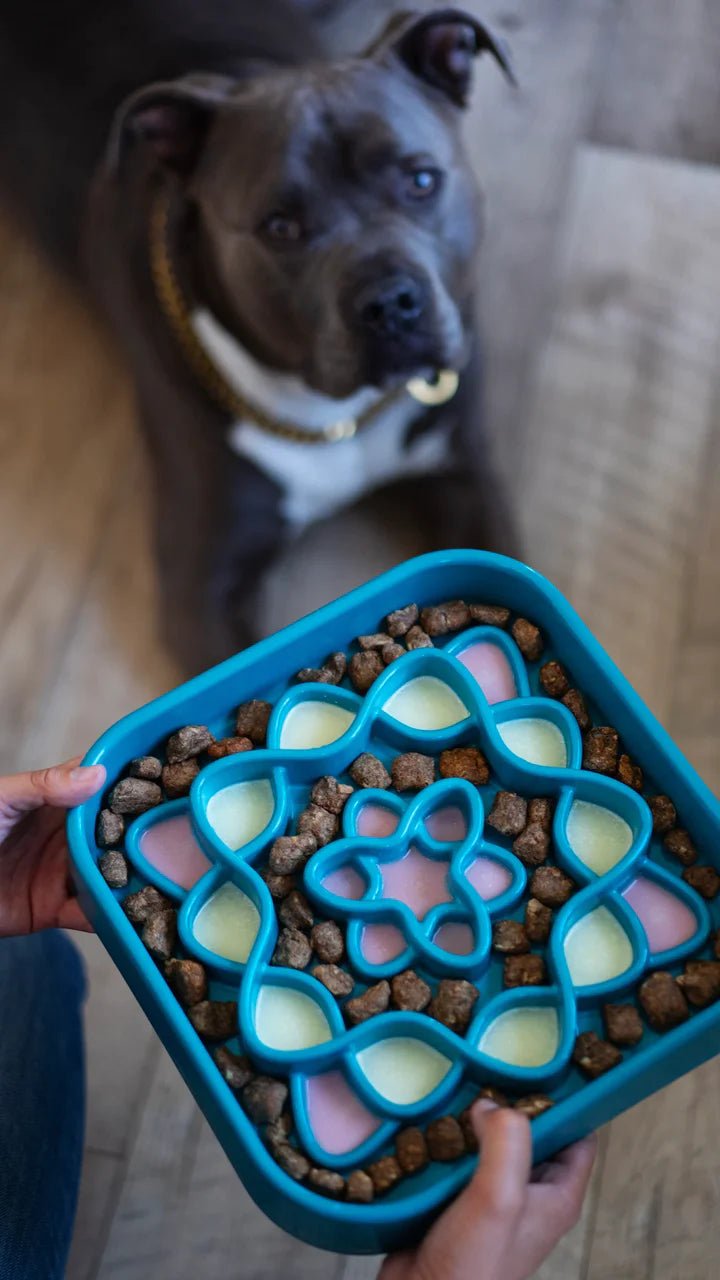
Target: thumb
61, 786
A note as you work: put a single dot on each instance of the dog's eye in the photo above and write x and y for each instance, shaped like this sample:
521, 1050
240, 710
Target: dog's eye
282, 228
421, 182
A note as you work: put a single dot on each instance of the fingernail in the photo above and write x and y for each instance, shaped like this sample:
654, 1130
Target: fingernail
487, 1104
88, 773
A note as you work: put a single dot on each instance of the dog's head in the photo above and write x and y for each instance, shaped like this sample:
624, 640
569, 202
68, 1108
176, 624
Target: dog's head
336, 218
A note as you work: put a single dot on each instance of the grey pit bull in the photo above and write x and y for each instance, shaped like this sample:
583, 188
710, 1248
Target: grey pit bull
285, 243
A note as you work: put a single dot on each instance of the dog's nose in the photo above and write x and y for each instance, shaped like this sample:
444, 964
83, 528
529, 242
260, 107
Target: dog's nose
390, 307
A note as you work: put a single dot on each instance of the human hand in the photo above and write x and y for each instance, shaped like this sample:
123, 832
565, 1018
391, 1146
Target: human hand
509, 1217
35, 891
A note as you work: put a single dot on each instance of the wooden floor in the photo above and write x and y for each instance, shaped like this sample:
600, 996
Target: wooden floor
600, 295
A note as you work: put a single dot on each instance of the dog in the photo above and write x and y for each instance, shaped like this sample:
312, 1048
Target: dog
285, 243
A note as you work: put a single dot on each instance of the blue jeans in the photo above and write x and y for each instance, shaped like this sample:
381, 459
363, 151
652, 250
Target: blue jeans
42, 1102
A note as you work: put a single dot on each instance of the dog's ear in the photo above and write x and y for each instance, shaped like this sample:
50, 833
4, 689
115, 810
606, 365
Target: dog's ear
170, 117
440, 47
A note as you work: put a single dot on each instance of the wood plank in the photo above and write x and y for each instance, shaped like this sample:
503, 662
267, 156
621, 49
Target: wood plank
568, 1261
660, 88
625, 405
99, 1177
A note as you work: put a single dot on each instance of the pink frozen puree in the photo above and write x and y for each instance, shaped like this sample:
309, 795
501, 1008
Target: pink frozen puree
488, 664
381, 942
418, 881
376, 820
456, 938
172, 849
337, 1117
667, 921
346, 882
447, 824
488, 877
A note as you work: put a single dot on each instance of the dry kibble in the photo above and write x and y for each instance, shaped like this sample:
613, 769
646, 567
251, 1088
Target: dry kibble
114, 869
528, 639
264, 1098
468, 1129
319, 823
228, 747
290, 853
368, 771
538, 921
177, 779
331, 672
509, 938
664, 814
551, 886
159, 934
600, 750
554, 680
373, 1001
365, 667
524, 971
138, 907
235, 1068
701, 982
328, 942
109, 828
680, 845
411, 1150
465, 762
133, 796
384, 1174
595, 1056
534, 1105
489, 615
292, 949
416, 638
440, 619
663, 1002
412, 771
338, 982
391, 652
629, 773
494, 1095
376, 640
453, 1004
215, 1019
330, 794
327, 1183
445, 1139
508, 814
279, 885
251, 720
291, 1161
400, 621
410, 992
576, 704
187, 979
704, 880
295, 912
540, 811
148, 767
360, 1189
187, 742
623, 1024
532, 846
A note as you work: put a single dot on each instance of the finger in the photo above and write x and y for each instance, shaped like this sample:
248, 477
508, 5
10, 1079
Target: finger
506, 1156
62, 786
573, 1166
72, 916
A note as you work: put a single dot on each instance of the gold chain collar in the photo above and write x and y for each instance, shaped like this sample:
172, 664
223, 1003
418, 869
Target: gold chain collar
176, 311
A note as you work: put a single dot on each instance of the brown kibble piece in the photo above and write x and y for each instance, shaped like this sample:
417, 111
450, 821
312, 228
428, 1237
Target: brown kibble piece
177, 779
147, 767
188, 980
280, 886
365, 667
295, 912
372, 1002
663, 1002
532, 846
704, 880
290, 853
554, 680
440, 619
465, 762
215, 1019
264, 1098
134, 795
411, 1150
159, 934
338, 982
664, 814
360, 1189
368, 771
595, 1056
114, 869
509, 938
376, 640
551, 886
384, 1174
416, 638
508, 814
330, 794
328, 942
291, 1161
228, 747
319, 823
701, 982
534, 1105
528, 639
327, 1183
138, 907
410, 992
292, 949
400, 621
524, 971
489, 615
445, 1139
495, 1095
540, 811
576, 704
623, 1024
331, 672
600, 750
109, 828
187, 742
391, 653
468, 1129
629, 773
252, 719
235, 1068
680, 845
453, 1004
412, 771
538, 921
